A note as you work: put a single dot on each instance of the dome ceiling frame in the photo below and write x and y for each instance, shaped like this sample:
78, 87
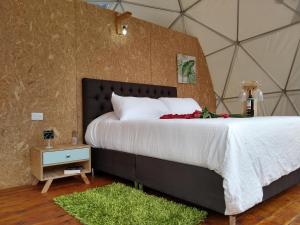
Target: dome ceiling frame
183, 13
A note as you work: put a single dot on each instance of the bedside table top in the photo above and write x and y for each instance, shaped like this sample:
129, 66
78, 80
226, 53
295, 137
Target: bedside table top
60, 147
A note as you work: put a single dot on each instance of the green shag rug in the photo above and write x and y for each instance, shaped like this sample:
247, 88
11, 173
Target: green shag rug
118, 204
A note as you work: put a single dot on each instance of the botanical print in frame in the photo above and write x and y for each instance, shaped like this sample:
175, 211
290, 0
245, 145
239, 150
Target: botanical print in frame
186, 69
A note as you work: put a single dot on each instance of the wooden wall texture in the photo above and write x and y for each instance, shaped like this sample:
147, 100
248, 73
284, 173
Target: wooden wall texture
47, 47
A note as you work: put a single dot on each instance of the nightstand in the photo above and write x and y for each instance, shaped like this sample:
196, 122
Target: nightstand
49, 164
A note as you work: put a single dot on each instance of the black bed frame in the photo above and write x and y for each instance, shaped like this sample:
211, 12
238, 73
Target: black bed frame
194, 184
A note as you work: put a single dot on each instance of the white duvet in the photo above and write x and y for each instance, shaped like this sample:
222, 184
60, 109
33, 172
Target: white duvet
248, 153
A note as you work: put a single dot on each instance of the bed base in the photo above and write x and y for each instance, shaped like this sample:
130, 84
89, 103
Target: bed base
197, 185
193, 184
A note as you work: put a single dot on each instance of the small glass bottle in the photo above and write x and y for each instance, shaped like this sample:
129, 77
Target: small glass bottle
74, 137
250, 105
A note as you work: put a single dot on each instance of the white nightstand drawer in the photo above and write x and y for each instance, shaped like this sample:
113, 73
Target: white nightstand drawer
63, 156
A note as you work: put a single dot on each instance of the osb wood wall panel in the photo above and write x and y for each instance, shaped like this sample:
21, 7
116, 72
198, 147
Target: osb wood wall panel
48, 46
37, 74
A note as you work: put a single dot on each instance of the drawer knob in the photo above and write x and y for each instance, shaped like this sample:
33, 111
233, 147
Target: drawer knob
68, 156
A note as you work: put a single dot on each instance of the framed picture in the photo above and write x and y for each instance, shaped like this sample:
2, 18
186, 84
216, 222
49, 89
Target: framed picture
186, 69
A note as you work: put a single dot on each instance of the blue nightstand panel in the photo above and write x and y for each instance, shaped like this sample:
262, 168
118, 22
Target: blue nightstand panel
57, 157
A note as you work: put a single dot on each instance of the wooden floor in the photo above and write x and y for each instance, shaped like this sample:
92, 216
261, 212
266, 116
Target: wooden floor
26, 205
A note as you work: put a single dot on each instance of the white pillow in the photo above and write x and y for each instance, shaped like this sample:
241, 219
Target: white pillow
181, 105
131, 108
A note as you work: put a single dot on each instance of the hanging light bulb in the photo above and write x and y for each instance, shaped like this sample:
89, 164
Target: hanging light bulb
124, 30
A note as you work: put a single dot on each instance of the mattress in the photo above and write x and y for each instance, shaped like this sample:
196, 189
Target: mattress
248, 153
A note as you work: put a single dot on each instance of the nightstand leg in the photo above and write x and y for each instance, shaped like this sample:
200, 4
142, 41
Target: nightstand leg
47, 186
35, 182
84, 178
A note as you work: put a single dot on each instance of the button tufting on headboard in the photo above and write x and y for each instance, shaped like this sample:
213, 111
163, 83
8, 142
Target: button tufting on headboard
97, 95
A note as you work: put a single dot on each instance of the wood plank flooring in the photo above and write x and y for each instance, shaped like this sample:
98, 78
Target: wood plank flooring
27, 206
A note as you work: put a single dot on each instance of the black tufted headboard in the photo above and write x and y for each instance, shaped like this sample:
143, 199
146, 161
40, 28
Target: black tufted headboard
97, 95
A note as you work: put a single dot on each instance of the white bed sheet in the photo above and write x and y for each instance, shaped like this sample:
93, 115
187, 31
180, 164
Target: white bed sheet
248, 153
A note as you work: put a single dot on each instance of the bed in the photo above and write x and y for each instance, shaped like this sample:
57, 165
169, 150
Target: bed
192, 183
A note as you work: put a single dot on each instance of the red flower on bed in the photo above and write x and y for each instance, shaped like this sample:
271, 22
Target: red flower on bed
204, 114
225, 115
197, 114
193, 115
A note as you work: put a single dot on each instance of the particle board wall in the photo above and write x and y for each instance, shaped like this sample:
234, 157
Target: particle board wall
47, 47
